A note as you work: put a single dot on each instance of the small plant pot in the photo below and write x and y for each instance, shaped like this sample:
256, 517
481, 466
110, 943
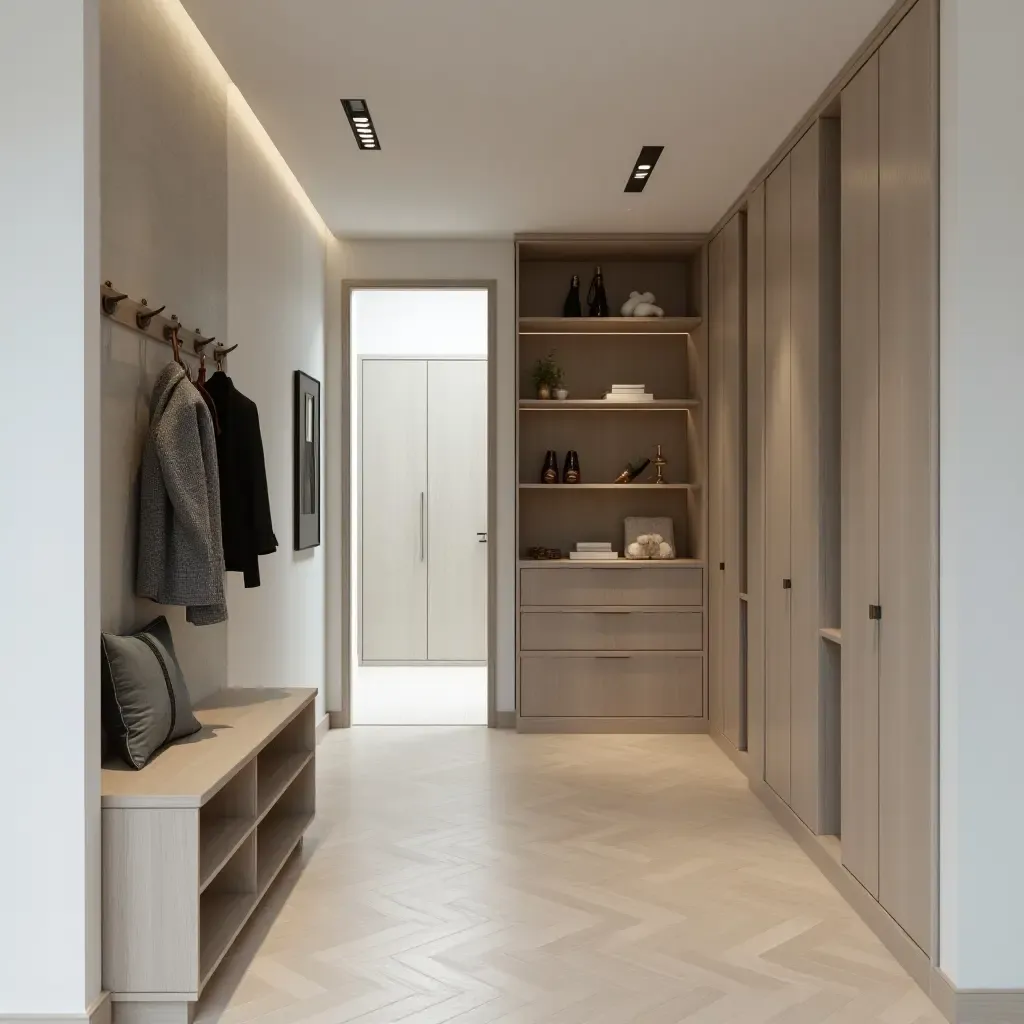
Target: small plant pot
544, 392
561, 394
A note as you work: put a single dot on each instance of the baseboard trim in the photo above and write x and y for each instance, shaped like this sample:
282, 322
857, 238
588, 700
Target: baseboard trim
336, 720
322, 728
943, 994
636, 726
504, 720
978, 1005
823, 853
97, 1013
738, 757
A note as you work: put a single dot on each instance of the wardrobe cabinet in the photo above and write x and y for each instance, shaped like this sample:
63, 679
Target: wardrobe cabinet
890, 511
801, 472
726, 258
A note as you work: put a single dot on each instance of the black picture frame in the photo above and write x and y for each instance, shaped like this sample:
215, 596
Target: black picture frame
307, 462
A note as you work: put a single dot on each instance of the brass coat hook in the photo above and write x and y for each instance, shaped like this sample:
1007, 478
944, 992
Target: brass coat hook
143, 317
109, 302
200, 343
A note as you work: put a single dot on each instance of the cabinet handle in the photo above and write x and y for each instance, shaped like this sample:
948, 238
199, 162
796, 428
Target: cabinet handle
481, 538
423, 526
875, 612
787, 584
721, 566
613, 657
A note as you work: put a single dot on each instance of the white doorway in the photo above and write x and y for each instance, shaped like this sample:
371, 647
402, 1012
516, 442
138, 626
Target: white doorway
419, 523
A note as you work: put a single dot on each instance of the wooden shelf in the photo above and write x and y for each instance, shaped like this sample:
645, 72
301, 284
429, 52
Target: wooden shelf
274, 776
612, 563
602, 405
584, 325
222, 917
217, 845
608, 487
834, 636
276, 840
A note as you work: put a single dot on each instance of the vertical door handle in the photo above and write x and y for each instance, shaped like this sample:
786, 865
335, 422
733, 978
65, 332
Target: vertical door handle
481, 538
787, 584
875, 612
721, 566
423, 526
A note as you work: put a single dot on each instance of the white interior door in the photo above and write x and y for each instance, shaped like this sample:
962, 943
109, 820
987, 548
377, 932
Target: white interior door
457, 510
393, 510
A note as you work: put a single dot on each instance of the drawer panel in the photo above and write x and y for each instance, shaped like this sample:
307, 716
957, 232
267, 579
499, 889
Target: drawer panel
611, 631
612, 686
623, 586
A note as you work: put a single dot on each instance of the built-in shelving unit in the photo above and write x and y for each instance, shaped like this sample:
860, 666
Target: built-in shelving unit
834, 636
655, 681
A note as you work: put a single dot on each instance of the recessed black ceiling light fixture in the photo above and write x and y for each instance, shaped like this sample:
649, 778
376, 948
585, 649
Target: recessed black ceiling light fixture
643, 168
358, 114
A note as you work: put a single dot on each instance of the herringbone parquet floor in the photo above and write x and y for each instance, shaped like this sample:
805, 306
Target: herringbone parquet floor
464, 876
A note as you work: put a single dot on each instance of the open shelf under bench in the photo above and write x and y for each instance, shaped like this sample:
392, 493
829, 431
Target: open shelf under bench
192, 842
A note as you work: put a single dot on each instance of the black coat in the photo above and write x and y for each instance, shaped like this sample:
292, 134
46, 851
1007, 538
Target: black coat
244, 499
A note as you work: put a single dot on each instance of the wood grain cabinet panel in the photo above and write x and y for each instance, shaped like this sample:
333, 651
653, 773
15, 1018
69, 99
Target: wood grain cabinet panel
629, 586
612, 631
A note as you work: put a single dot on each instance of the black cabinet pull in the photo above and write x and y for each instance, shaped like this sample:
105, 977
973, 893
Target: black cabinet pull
787, 584
721, 565
875, 612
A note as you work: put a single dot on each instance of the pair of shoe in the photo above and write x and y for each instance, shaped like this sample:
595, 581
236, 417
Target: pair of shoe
571, 473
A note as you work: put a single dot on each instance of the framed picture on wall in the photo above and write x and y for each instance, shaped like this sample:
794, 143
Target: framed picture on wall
307, 461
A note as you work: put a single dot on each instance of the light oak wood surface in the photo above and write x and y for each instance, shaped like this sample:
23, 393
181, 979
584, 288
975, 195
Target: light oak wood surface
608, 630
670, 585
716, 496
237, 724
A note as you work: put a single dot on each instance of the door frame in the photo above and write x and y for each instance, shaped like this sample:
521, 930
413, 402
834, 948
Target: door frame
490, 285
357, 385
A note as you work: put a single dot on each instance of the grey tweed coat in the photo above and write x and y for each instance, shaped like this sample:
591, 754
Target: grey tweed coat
181, 552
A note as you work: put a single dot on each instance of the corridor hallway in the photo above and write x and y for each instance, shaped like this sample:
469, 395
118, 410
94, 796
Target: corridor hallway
474, 876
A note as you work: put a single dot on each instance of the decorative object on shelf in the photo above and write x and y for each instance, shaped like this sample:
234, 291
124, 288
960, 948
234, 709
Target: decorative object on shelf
307, 461
641, 304
597, 300
549, 474
628, 393
572, 305
571, 474
593, 551
547, 375
561, 394
639, 527
660, 462
544, 554
631, 472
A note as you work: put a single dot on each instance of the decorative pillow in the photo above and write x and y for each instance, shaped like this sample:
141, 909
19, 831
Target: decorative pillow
638, 526
145, 700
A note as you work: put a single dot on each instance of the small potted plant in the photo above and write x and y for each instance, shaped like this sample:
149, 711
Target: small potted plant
547, 375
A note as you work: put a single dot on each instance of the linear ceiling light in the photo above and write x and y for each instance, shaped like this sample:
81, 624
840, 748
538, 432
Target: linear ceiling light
358, 114
643, 168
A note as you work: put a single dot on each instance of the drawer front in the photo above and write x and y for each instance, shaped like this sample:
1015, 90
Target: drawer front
611, 631
654, 587
612, 686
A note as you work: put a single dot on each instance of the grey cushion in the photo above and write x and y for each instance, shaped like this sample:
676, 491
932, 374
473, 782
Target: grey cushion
145, 699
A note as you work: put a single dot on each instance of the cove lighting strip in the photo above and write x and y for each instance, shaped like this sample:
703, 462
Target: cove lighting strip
643, 168
358, 114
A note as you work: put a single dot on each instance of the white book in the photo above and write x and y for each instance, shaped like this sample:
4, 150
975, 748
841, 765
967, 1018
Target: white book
616, 397
594, 545
593, 556
628, 389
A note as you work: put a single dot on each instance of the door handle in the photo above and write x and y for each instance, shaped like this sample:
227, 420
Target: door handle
875, 612
481, 538
787, 584
721, 566
423, 526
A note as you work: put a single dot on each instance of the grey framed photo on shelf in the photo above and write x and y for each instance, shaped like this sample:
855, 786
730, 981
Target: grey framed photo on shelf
307, 461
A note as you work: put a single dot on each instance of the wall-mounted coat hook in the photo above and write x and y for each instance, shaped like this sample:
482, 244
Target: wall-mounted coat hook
219, 354
200, 343
110, 298
143, 317
172, 329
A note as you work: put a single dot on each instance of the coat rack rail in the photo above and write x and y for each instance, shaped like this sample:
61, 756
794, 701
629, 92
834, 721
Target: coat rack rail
140, 317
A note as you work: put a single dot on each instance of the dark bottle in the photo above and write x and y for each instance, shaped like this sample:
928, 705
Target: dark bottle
571, 473
597, 301
549, 475
631, 472
572, 305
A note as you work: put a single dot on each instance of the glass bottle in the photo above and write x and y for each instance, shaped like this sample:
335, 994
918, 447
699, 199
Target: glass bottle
597, 300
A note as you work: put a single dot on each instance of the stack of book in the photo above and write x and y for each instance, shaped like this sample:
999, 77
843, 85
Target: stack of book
593, 551
628, 393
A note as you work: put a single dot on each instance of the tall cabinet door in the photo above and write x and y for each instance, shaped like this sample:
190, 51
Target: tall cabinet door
734, 711
456, 521
716, 497
908, 504
777, 480
393, 510
860, 476
755, 481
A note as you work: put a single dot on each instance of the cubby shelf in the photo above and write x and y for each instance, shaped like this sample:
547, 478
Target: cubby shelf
624, 488
603, 405
584, 325
834, 636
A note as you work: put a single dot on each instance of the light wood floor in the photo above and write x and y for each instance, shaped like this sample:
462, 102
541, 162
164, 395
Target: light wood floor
468, 876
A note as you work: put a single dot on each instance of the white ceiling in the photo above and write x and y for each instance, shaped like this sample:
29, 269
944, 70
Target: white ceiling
500, 116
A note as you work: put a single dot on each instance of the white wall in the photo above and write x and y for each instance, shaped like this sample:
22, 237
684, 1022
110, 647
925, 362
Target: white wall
200, 212
982, 495
49, 508
368, 261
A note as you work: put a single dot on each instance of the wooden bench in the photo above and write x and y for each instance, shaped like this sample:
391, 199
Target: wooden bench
192, 843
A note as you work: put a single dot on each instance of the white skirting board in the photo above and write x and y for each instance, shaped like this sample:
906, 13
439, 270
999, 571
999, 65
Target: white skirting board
322, 728
98, 1013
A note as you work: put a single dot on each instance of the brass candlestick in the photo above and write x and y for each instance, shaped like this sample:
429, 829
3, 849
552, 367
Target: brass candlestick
660, 462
